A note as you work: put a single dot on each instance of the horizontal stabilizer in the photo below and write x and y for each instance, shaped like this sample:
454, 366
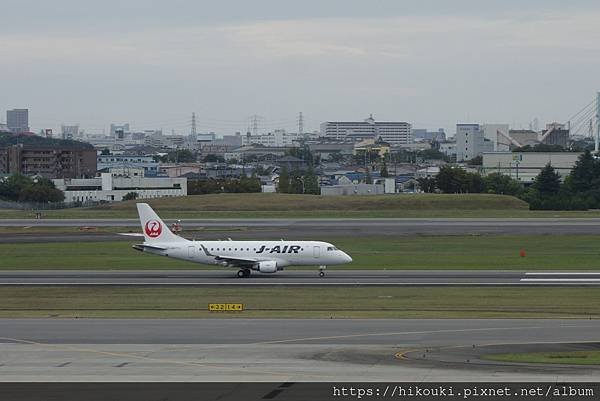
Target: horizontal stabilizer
141, 247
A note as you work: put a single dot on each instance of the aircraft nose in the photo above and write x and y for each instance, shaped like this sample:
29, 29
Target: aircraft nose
347, 258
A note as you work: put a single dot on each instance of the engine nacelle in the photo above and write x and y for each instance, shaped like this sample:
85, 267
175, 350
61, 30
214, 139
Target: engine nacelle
267, 266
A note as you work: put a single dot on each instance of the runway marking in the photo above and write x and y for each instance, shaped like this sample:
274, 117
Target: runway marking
522, 281
403, 333
563, 274
561, 280
125, 355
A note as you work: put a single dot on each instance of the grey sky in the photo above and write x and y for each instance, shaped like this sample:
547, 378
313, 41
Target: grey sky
433, 63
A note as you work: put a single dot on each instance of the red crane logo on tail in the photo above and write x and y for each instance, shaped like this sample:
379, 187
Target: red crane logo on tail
153, 228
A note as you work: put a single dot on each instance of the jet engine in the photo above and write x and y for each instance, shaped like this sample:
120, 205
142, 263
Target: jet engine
267, 266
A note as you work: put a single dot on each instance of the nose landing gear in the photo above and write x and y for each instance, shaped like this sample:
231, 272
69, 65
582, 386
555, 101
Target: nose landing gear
322, 270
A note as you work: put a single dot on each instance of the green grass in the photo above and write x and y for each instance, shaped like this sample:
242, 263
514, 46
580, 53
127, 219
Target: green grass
311, 206
286, 205
563, 358
305, 302
543, 252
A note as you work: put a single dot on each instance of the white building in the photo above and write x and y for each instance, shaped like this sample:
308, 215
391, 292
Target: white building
470, 142
278, 138
525, 166
111, 188
393, 132
448, 148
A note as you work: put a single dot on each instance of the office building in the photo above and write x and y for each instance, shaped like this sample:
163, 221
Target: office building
17, 120
470, 142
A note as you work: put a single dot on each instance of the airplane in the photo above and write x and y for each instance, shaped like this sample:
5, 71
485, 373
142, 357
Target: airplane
260, 256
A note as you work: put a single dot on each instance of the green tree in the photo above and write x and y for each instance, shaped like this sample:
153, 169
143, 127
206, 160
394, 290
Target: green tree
250, 184
13, 185
496, 183
130, 196
585, 175
547, 181
427, 184
454, 180
284, 181
311, 182
41, 190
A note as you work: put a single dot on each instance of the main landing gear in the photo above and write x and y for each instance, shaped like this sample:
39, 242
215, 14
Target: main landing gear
322, 270
243, 273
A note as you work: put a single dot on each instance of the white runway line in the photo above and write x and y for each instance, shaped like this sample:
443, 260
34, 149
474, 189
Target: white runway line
563, 274
561, 280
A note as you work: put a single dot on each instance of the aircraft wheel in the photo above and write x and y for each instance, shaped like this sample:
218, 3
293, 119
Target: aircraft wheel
246, 273
321, 274
241, 273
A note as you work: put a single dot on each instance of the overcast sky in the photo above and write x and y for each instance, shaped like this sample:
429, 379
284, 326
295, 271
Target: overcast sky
430, 62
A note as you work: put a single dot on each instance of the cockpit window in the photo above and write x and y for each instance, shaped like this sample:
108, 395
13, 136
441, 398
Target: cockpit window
332, 248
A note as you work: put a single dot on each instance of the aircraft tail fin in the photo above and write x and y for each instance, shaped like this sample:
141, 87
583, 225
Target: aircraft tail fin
154, 229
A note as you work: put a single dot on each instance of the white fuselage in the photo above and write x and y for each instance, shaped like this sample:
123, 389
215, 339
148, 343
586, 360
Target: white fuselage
285, 253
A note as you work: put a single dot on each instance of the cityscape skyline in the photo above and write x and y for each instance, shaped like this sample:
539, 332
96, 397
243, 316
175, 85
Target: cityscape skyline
430, 63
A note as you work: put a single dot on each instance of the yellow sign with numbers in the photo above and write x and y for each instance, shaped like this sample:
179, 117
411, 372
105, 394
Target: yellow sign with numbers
225, 307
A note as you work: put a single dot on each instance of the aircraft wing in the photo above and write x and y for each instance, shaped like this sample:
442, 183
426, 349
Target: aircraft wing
230, 259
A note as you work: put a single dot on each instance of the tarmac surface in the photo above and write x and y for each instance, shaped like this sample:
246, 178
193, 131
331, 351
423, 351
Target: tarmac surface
302, 228
334, 278
287, 349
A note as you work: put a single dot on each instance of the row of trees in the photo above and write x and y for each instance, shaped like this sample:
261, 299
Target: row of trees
20, 188
579, 191
227, 185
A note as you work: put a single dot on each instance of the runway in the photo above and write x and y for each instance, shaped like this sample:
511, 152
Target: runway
282, 349
333, 278
301, 228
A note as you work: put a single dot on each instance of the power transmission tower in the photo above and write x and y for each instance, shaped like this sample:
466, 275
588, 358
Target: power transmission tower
254, 121
300, 124
194, 124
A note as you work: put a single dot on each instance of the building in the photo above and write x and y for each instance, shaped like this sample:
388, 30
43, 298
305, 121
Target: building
380, 148
555, 134
393, 132
447, 147
17, 120
69, 131
523, 137
277, 138
116, 129
111, 188
48, 162
327, 148
150, 166
425, 135
498, 135
470, 142
525, 166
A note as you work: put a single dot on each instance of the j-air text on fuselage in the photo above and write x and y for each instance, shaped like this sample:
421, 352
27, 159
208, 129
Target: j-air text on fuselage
260, 256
